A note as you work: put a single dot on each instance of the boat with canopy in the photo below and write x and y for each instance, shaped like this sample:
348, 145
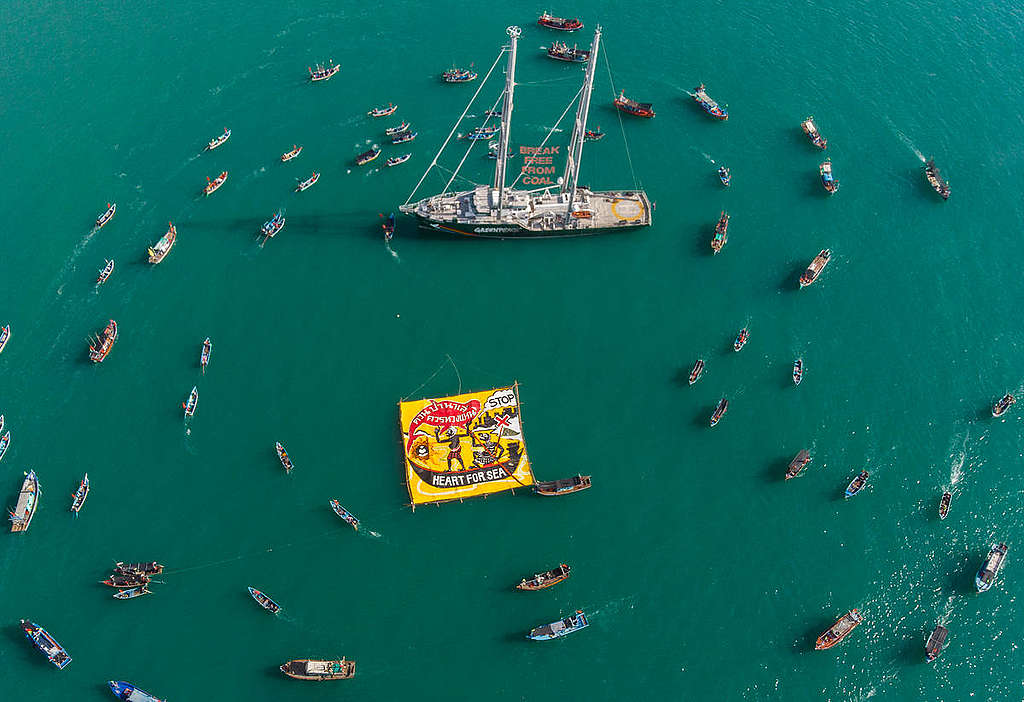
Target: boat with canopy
158, 251
541, 581
560, 628
28, 500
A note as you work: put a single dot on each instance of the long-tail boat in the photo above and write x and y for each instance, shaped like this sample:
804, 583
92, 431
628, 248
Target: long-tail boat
701, 97
828, 181
404, 137
213, 185
593, 134
696, 371
389, 227
986, 576
383, 111
217, 141
797, 465
857, 484
563, 627
323, 72
935, 179
126, 691
5, 441
105, 271
272, 226
933, 646
721, 235
720, 410
101, 346
148, 568
544, 580
944, 502
563, 486
458, 75
78, 498
396, 160
5, 334
189, 405
560, 23
839, 631
798, 371
815, 268
811, 130
296, 150
345, 515
392, 131
204, 355
1000, 407
724, 175
306, 669
307, 183
132, 592
367, 156
741, 339
158, 251
561, 51
46, 644
106, 216
632, 107
28, 500
286, 461
264, 601
126, 580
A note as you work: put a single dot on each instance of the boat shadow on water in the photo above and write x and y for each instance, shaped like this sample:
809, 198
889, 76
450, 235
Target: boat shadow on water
775, 470
791, 282
24, 648
682, 377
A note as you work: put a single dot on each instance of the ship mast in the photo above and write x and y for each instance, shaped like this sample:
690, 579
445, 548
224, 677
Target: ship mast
506, 116
572, 164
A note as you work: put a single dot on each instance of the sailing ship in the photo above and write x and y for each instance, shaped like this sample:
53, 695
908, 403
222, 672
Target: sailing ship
308, 182
495, 210
798, 371
78, 498
721, 233
560, 23
1000, 407
563, 627
28, 500
404, 137
839, 631
724, 176
563, 486
213, 185
46, 644
383, 111
272, 226
935, 179
264, 601
632, 107
458, 75
149, 568
296, 150
561, 51
217, 141
944, 502
815, 268
392, 131
286, 461
933, 646
345, 515
395, 160
828, 182
100, 347
701, 97
5, 334
132, 592
190, 404
741, 339
106, 216
122, 580
857, 484
797, 465
305, 669
105, 272
126, 691
593, 134
720, 410
323, 72
5, 441
389, 227
158, 252
696, 371
367, 156
986, 576
811, 130
204, 355
544, 580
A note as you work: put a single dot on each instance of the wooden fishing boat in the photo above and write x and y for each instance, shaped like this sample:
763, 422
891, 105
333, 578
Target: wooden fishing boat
389, 227
935, 179
126, 580
28, 500
101, 346
5, 334
323, 72
933, 646
720, 409
272, 226
126, 691
213, 185
264, 601
286, 461
632, 107
5, 441
563, 627
1000, 407
404, 137
307, 183
345, 515
986, 576
132, 592
696, 371
857, 484
105, 272
458, 75
839, 631
701, 97
741, 339
158, 252
593, 134
46, 644
544, 580
305, 669
724, 176
797, 465
560, 51
106, 216
149, 568
563, 486
217, 141
828, 181
395, 160
1, 422
947, 498
811, 130
296, 150
78, 497
482, 133
560, 23
383, 111
392, 131
815, 268
204, 355
721, 235
189, 405
367, 156
798, 371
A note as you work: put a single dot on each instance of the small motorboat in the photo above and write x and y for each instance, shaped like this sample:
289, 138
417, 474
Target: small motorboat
561, 51
204, 355
482, 133
101, 345
5, 441
696, 371
857, 484
126, 580
563, 627
986, 576
815, 268
947, 498
562, 487
701, 97
158, 251
797, 465
404, 137
544, 580
126, 691
839, 631
217, 141
383, 111
286, 461
458, 75
933, 646
306, 669
1, 422
296, 150
149, 568
106, 216
28, 501
323, 72
492, 113
190, 404
272, 226
559, 23
741, 339
105, 272
828, 182
632, 107
721, 235
724, 176
798, 371
213, 186
392, 131
935, 179
308, 182
5, 334
811, 130
46, 644
593, 134
389, 227
720, 410
395, 160
264, 601
1000, 407
78, 497
345, 515
132, 592
367, 156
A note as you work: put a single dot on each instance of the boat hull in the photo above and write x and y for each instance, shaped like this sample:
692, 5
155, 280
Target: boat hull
514, 231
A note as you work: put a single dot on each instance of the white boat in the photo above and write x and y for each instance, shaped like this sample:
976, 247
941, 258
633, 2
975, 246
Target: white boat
28, 500
217, 141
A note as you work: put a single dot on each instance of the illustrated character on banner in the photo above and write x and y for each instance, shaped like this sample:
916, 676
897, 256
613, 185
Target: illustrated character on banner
454, 440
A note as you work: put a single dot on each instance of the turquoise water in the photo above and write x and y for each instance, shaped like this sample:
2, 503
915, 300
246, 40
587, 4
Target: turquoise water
703, 573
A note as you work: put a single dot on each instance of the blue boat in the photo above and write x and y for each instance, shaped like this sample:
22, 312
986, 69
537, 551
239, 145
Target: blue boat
986, 576
42, 640
264, 601
828, 181
857, 484
561, 628
126, 691
723, 175
389, 227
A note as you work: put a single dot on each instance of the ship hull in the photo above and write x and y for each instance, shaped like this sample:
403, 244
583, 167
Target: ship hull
513, 231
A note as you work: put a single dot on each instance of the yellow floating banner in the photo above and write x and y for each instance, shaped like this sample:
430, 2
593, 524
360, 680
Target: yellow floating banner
464, 445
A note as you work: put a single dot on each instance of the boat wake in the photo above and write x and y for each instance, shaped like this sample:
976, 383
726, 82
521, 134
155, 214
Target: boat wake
906, 140
394, 254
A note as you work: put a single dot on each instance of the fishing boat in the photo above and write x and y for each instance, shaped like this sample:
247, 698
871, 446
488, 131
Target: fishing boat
828, 182
1, 422
158, 252
559, 23
105, 272
935, 179
1000, 407
126, 580
389, 227
986, 576
632, 107
204, 355
721, 235
403, 137
563, 627
323, 72
149, 568
701, 97
283, 456
126, 691
724, 176
367, 156
78, 498
307, 183
797, 465
101, 346
395, 160
811, 130
696, 371
839, 631
815, 268
563, 486
296, 150
213, 185
720, 410
345, 515
264, 601
544, 580
392, 131
132, 592
383, 111
304, 669
190, 404
741, 339
857, 484
482, 133
5, 334
561, 51
593, 135
217, 141
944, 502
798, 371
936, 640
106, 216
46, 644
28, 500
272, 226
458, 75
5, 441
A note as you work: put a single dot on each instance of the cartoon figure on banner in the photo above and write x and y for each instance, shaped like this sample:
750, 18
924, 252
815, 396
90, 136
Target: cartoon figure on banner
454, 444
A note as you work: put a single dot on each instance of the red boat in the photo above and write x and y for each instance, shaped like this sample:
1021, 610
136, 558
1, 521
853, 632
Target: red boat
212, 185
559, 23
839, 631
101, 346
632, 107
